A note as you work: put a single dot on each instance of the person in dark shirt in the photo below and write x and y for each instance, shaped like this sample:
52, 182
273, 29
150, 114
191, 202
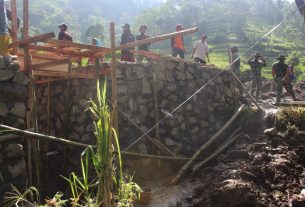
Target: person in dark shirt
127, 37
143, 36
256, 62
280, 73
64, 34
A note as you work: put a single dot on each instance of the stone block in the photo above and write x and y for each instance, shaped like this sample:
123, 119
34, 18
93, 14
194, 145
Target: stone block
3, 109
6, 75
20, 78
14, 151
19, 110
13, 92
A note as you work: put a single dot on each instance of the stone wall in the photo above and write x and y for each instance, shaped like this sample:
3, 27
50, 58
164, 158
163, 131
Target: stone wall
172, 81
13, 94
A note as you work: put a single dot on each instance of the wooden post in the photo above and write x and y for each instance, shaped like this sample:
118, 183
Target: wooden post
26, 68
303, 9
14, 23
114, 80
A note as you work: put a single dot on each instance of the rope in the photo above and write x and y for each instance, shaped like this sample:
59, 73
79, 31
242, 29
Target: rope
170, 115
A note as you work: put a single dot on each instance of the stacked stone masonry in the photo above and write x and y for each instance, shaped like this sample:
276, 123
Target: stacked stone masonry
173, 81
13, 95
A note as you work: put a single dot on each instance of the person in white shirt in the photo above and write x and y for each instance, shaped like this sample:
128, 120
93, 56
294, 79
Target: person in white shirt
201, 50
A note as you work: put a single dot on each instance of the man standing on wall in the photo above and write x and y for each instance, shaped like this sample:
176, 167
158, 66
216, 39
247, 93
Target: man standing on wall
64, 34
127, 37
257, 62
177, 44
280, 73
142, 36
201, 50
5, 31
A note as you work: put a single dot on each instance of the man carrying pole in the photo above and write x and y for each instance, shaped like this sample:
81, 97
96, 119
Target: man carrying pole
5, 31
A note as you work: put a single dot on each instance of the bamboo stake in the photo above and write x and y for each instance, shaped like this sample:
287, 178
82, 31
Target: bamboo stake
236, 134
114, 97
245, 89
157, 143
43, 137
29, 40
26, 68
14, 23
189, 164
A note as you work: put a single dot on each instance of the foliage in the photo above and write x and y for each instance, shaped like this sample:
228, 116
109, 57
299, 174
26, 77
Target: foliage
17, 198
128, 193
292, 118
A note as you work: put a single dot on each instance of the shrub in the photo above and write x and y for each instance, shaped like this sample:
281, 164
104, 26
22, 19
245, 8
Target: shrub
291, 118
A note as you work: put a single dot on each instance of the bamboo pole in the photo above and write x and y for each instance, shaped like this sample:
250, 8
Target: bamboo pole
156, 142
29, 40
14, 23
249, 94
237, 134
157, 38
43, 137
26, 68
180, 175
114, 97
49, 64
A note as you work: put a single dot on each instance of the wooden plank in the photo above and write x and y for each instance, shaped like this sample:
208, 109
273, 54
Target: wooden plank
64, 52
49, 64
42, 56
157, 38
78, 45
49, 80
68, 75
114, 97
14, 23
25, 18
38, 38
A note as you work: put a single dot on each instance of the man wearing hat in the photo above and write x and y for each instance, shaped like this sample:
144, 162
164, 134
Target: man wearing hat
201, 50
177, 43
256, 62
64, 34
280, 73
142, 36
127, 37
5, 31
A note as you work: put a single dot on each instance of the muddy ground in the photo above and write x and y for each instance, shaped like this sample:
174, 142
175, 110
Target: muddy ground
258, 171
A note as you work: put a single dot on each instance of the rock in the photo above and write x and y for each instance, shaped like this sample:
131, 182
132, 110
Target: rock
90, 127
195, 130
85, 138
271, 132
173, 98
144, 111
133, 106
58, 124
59, 108
6, 75
82, 118
142, 149
3, 110
2, 63
14, 151
204, 124
14, 92
14, 66
122, 89
18, 169
169, 142
146, 87
189, 107
21, 78
74, 137
180, 76
75, 110
80, 129
180, 66
188, 76
19, 110
175, 132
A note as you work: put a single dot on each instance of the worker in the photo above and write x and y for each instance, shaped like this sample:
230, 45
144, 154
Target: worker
64, 34
5, 31
235, 61
280, 73
127, 37
143, 36
256, 62
177, 44
92, 60
201, 50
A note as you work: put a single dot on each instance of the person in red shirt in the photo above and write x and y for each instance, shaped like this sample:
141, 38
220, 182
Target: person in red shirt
63, 34
178, 44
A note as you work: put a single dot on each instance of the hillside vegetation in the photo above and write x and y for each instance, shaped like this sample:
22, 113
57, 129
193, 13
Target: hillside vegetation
226, 22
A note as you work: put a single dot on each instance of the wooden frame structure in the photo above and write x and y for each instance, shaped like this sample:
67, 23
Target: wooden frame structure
45, 60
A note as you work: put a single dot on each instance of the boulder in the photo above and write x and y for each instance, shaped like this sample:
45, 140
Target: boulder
271, 132
169, 142
19, 110
6, 75
3, 110
18, 169
14, 151
13, 92
21, 78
